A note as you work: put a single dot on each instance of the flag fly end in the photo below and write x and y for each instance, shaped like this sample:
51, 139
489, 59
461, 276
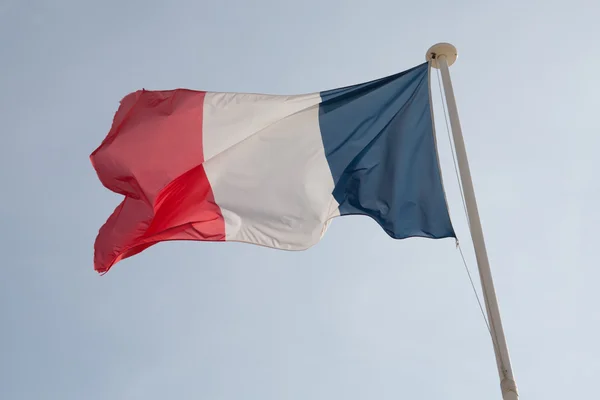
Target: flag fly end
441, 49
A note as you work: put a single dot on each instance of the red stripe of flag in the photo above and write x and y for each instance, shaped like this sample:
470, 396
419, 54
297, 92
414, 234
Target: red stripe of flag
153, 156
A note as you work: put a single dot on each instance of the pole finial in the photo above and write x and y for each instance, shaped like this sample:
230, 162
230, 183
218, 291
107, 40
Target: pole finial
445, 49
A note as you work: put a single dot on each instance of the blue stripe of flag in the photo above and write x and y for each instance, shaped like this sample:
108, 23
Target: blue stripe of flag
379, 143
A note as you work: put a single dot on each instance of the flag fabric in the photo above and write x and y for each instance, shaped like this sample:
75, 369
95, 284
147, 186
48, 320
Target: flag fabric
270, 170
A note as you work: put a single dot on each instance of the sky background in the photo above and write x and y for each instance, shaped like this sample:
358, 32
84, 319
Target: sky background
359, 316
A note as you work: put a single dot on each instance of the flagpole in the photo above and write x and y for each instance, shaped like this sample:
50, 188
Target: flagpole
441, 56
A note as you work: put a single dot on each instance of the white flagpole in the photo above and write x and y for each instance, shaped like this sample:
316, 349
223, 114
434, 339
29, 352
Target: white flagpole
443, 55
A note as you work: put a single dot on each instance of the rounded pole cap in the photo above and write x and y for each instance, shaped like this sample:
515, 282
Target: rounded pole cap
445, 49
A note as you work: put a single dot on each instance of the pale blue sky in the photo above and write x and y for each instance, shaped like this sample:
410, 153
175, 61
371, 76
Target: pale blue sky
359, 316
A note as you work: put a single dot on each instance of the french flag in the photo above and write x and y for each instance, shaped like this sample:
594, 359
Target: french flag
270, 170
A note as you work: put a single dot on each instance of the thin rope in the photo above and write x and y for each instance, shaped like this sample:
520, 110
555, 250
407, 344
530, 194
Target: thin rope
473, 287
462, 196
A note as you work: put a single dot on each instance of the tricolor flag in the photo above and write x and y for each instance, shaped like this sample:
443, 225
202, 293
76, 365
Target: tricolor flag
271, 170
